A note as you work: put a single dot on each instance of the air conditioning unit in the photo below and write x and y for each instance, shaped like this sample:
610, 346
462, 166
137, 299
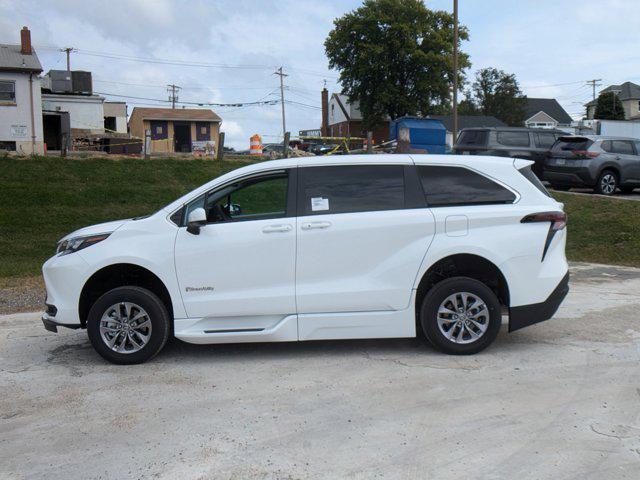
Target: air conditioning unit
82, 83
60, 81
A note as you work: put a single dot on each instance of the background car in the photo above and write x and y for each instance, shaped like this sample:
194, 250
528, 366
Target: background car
526, 143
604, 163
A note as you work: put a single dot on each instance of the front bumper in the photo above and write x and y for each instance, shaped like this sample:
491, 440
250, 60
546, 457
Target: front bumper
51, 325
525, 315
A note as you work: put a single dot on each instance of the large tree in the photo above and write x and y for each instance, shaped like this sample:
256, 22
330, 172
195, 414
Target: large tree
609, 107
497, 93
395, 58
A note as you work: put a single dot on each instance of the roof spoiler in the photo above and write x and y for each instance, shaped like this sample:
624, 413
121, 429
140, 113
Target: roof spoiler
520, 163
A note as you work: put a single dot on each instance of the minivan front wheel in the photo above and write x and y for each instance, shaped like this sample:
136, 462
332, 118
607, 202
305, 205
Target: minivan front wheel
128, 325
460, 316
607, 183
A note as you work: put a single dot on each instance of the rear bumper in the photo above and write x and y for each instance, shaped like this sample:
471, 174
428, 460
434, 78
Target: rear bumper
525, 315
576, 176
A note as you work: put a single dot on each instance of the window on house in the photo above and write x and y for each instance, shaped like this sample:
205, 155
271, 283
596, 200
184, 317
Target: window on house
7, 91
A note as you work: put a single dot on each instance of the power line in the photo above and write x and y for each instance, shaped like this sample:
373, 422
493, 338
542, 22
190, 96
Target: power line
201, 104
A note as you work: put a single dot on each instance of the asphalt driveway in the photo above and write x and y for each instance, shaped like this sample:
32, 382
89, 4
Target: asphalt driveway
557, 400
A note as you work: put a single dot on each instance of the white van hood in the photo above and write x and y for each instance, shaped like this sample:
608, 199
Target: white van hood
106, 227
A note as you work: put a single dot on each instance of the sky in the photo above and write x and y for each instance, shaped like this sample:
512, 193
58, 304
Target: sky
553, 48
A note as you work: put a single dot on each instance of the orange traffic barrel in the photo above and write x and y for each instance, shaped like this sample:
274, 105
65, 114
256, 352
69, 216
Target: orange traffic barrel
255, 145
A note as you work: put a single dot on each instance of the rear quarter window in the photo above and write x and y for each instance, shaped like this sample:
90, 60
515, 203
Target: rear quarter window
454, 186
473, 137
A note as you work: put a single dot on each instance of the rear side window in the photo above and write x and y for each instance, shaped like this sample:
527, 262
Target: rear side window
544, 140
513, 139
569, 144
529, 175
351, 188
473, 137
622, 146
451, 186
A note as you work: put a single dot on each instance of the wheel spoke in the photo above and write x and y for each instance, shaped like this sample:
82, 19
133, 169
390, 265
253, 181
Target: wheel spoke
463, 317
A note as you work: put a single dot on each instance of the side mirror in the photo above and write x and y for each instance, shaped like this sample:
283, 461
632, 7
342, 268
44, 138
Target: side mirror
197, 218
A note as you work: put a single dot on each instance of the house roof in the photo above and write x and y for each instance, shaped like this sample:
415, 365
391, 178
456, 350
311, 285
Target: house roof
550, 106
12, 60
185, 114
468, 121
626, 91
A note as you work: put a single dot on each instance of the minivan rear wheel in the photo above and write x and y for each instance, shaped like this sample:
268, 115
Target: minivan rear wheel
607, 183
128, 325
460, 316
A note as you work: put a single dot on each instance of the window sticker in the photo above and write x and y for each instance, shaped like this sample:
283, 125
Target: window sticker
319, 204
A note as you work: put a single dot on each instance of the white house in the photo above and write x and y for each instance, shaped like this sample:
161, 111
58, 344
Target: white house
20, 103
85, 111
115, 117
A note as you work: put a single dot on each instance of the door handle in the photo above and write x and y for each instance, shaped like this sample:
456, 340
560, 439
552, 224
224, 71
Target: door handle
276, 228
315, 225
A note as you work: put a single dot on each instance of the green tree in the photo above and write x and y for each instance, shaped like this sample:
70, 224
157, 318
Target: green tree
395, 58
497, 93
609, 107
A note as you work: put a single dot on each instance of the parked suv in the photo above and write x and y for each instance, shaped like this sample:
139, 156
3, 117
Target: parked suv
603, 163
370, 246
526, 143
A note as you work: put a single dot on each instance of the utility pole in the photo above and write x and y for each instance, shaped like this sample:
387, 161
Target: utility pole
68, 51
282, 75
594, 83
173, 94
455, 72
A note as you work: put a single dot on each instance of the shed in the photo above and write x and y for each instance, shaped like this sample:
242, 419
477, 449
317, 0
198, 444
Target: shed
424, 133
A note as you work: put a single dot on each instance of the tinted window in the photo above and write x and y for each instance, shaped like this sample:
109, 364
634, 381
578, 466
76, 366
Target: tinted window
344, 189
606, 146
570, 144
544, 140
460, 186
637, 148
473, 137
529, 175
513, 139
622, 146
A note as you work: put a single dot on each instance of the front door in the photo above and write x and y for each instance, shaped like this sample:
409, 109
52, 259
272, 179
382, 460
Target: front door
361, 238
239, 271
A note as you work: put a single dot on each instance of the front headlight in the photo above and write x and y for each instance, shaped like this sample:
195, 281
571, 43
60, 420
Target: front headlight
78, 243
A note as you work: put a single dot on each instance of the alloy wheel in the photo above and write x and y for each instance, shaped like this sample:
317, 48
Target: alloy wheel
463, 317
125, 327
608, 183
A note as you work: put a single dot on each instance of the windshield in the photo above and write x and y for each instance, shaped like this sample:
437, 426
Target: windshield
472, 137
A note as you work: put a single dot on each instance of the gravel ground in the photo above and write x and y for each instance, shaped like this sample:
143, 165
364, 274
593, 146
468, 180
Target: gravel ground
560, 399
21, 295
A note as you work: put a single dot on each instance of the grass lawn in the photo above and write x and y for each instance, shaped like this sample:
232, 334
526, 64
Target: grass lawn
602, 230
43, 199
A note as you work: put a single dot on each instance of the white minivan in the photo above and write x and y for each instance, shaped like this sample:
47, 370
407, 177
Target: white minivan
359, 246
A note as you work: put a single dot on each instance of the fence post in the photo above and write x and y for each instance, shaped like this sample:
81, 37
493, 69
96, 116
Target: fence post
147, 144
220, 152
285, 145
369, 142
63, 145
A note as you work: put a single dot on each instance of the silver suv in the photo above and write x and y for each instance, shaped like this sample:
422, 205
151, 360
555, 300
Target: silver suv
604, 163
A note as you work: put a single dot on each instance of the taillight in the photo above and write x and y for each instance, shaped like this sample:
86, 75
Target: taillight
585, 154
557, 219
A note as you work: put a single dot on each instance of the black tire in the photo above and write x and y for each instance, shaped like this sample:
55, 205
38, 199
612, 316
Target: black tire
438, 294
157, 313
560, 188
627, 190
607, 183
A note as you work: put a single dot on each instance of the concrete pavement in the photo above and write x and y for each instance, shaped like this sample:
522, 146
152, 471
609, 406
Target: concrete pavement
559, 400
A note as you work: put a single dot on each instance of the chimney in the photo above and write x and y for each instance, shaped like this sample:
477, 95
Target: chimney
25, 41
324, 129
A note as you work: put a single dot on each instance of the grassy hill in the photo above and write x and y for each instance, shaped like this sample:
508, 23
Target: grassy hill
43, 199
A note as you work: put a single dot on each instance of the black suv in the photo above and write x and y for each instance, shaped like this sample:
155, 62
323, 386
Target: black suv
527, 143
